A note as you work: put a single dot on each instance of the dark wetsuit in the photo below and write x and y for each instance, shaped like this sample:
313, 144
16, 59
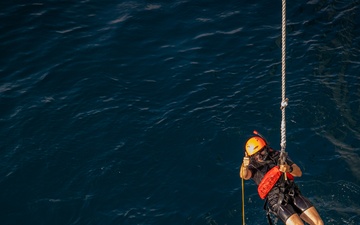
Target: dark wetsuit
285, 198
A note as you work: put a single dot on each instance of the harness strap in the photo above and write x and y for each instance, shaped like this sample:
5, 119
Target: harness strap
268, 210
285, 194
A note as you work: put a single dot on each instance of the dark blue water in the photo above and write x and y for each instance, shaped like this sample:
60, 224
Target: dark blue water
136, 112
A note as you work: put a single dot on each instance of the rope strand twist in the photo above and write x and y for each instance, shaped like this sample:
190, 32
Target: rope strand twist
284, 101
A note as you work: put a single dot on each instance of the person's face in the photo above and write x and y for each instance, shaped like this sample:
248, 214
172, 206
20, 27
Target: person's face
261, 155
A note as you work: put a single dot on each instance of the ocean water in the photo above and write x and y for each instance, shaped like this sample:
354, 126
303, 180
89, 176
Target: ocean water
136, 112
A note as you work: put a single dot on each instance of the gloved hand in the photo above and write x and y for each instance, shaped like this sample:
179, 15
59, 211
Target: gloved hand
246, 161
285, 168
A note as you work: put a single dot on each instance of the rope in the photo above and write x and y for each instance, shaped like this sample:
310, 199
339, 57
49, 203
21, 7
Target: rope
284, 101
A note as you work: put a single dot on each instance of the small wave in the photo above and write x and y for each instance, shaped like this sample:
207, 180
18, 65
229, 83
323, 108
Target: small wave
235, 31
120, 19
152, 6
204, 35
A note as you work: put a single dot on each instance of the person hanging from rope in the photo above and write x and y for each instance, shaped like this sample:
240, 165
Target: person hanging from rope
282, 196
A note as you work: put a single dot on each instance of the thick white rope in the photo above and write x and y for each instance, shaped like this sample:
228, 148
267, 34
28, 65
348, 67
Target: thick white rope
284, 100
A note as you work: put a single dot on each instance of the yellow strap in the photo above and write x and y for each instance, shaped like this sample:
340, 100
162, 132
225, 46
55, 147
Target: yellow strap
243, 201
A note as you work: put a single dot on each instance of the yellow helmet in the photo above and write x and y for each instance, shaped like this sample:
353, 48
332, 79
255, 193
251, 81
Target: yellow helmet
254, 144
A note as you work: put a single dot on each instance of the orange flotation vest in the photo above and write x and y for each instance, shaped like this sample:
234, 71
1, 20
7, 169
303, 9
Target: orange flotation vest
269, 180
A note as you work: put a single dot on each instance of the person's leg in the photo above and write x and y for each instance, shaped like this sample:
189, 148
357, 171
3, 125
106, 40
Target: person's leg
287, 214
312, 217
294, 219
307, 211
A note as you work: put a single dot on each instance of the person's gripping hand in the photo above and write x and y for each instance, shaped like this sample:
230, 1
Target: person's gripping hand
285, 168
246, 161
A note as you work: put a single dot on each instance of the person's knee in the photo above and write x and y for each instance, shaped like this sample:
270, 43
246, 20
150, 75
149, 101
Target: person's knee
294, 220
311, 216
315, 221
318, 221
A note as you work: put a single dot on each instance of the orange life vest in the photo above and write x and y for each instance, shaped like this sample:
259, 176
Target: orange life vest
269, 180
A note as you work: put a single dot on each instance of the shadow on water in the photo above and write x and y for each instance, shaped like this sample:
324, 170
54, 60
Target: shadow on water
340, 49
337, 55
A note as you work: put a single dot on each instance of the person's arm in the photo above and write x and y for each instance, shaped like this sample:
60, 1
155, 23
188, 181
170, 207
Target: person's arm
293, 169
245, 173
296, 171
